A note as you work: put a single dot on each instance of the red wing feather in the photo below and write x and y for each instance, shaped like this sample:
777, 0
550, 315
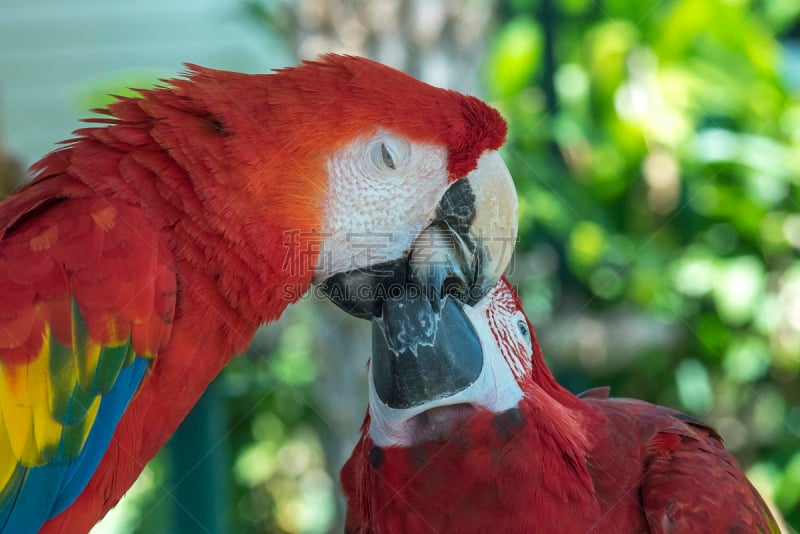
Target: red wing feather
692, 479
687, 477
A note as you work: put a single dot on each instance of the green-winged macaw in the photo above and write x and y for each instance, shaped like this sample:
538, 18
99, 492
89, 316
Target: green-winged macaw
467, 431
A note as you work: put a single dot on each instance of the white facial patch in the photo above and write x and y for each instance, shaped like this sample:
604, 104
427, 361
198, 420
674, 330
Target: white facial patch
382, 191
496, 389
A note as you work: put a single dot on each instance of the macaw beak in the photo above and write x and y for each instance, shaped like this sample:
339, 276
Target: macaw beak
422, 350
462, 252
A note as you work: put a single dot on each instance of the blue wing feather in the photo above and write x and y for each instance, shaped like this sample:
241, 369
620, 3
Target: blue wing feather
48, 490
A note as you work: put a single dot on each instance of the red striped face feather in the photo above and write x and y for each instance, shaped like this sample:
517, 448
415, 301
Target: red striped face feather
512, 331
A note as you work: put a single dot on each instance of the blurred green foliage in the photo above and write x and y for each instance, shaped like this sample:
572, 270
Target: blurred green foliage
662, 180
279, 468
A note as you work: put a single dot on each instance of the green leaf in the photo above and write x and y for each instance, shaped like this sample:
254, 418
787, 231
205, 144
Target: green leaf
514, 58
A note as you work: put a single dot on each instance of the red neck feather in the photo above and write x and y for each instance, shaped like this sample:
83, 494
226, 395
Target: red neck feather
533, 459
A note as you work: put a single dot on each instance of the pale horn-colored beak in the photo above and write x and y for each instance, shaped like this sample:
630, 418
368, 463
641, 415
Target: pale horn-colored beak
467, 247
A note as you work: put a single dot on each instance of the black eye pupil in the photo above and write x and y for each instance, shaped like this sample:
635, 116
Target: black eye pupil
387, 158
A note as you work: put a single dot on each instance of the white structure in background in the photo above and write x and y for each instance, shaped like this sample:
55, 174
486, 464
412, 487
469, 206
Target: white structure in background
53, 54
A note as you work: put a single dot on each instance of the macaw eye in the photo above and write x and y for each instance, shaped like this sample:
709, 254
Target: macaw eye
523, 329
386, 156
389, 152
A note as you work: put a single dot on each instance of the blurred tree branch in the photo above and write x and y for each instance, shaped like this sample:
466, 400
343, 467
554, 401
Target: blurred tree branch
440, 41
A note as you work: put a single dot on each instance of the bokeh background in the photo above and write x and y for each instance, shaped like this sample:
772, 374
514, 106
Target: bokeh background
656, 150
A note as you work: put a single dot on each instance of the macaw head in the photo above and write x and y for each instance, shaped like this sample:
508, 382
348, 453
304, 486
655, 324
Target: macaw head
352, 170
435, 364
439, 364
416, 190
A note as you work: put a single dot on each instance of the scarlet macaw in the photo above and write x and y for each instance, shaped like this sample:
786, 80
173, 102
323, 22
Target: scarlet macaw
467, 431
146, 252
